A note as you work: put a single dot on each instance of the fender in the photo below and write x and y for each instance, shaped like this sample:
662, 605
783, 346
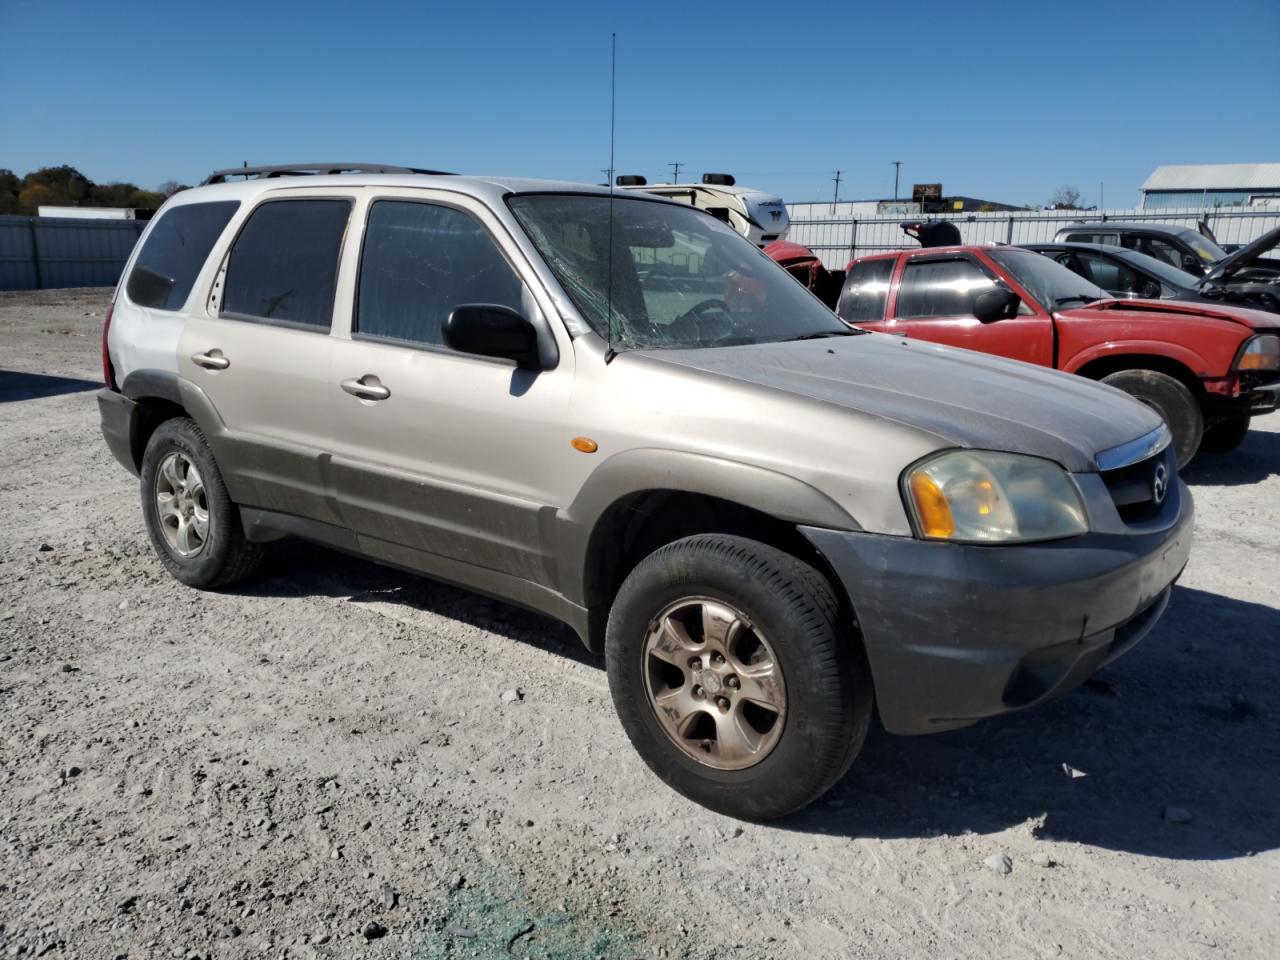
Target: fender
646, 469
147, 383
1193, 361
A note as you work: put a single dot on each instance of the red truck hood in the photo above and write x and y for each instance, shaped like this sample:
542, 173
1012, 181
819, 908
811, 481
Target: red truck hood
1149, 309
789, 254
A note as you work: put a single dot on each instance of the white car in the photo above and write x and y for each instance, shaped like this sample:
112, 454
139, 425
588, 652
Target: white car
760, 217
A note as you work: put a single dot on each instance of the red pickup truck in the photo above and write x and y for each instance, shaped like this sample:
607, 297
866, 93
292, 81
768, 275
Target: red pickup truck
1207, 369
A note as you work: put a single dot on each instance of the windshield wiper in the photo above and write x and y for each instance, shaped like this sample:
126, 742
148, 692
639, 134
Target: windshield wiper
826, 333
1075, 297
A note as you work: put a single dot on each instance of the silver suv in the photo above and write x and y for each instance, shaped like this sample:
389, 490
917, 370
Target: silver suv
613, 409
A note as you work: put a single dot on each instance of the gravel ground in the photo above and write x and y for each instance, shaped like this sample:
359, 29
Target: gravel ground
321, 763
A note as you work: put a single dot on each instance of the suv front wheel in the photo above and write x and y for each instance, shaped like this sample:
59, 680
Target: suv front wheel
193, 525
736, 676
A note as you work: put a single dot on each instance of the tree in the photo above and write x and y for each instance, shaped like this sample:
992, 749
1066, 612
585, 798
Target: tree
1066, 197
32, 198
66, 185
10, 187
170, 187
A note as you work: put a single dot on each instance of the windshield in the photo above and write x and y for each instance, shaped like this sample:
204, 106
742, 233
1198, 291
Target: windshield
1160, 269
1205, 249
1052, 284
679, 277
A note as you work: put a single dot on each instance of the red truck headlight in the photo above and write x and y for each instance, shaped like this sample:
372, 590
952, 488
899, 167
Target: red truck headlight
1260, 353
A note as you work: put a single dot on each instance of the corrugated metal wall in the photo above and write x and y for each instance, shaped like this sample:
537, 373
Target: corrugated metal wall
39, 253
838, 237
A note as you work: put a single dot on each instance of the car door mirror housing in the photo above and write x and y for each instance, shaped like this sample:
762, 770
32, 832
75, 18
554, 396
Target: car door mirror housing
492, 330
996, 304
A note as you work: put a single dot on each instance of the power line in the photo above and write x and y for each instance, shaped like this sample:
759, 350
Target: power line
836, 196
897, 166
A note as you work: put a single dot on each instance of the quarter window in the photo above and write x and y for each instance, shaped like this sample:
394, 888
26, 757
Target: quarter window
176, 248
940, 288
284, 265
420, 262
865, 290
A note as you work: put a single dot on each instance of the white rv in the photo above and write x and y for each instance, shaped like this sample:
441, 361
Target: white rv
760, 217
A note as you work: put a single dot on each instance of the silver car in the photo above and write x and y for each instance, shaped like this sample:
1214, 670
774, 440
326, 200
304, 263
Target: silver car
613, 409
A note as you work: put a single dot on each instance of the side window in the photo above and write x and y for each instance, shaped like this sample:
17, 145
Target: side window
420, 261
940, 288
176, 248
1163, 250
1111, 239
866, 289
1110, 275
284, 264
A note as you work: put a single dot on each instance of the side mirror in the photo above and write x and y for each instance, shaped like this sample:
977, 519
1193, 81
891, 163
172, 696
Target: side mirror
1150, 290
1190, 264
995, 304
490, 330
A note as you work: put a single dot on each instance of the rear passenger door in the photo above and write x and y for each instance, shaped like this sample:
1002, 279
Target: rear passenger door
444, 462
934, 301
259, 350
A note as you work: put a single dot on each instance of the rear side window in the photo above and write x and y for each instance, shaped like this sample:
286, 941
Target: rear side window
422, 260
940, 288
176, 248
865, 290
284, 265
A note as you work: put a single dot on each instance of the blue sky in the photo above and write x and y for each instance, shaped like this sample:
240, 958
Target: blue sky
1000, 100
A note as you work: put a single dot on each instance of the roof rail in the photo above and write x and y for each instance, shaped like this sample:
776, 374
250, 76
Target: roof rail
309, 169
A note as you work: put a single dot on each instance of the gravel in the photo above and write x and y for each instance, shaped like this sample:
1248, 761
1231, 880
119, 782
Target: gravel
353, 707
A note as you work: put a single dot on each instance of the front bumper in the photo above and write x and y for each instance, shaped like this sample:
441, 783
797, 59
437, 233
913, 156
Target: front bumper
955, 633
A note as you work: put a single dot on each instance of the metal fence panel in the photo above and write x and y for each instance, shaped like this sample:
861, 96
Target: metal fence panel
837, 237
45, 252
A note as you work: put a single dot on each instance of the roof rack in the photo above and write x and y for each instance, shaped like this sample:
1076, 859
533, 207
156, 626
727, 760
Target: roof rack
309, 169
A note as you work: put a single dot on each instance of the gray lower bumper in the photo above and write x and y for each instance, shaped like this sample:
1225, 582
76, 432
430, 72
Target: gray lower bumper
955, 633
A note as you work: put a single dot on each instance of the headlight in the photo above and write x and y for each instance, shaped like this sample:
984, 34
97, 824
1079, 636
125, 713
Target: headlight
1260, 353
979, 496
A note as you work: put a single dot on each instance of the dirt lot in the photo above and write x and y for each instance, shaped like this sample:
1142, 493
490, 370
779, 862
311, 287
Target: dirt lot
267, 772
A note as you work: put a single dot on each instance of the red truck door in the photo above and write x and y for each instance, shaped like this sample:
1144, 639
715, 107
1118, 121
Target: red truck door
933, 300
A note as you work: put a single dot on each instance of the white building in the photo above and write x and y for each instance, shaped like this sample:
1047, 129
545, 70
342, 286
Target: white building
1212, 185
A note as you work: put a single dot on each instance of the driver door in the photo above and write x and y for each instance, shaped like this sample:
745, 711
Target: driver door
439, 455
934, 302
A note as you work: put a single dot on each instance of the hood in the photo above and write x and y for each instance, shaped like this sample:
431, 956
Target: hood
1241, 258
1179, 309
964, 399
788, 253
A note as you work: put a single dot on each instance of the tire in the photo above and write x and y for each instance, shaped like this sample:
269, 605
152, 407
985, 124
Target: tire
1172, 400
785, 606
1225, 435
221, 555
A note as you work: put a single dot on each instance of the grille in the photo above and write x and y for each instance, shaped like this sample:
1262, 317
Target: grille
1133, 487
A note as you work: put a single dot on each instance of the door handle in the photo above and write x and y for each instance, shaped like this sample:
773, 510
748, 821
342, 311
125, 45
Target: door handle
367, 387
212, 360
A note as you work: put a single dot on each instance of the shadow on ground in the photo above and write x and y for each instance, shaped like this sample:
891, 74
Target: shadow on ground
1256, 459
16, 385
1187, 719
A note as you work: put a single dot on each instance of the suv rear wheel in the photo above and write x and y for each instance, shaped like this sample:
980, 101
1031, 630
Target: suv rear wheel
1171, 399
193, 525
735, 676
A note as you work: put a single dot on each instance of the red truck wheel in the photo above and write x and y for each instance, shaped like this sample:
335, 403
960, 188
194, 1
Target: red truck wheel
1172, 400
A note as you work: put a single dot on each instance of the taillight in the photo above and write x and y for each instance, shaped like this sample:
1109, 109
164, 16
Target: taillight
108, 373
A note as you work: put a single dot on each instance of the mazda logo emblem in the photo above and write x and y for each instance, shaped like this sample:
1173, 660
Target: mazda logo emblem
1160, 484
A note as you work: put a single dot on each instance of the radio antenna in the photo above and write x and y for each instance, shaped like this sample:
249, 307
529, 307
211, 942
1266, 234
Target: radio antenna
613, 99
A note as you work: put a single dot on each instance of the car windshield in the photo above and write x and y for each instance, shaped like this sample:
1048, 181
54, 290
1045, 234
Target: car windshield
1052, 284
1205, 249
1161, 269
672, 277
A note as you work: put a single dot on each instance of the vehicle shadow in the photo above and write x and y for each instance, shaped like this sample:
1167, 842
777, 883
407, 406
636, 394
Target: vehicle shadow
1184, 720
17, 385
295, 568
1257, 458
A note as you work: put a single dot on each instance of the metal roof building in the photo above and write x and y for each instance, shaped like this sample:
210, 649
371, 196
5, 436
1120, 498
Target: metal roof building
1213, 185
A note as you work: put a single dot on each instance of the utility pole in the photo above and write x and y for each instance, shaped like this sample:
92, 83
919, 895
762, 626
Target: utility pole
608, 176
836, 197
897, 167
675, 177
